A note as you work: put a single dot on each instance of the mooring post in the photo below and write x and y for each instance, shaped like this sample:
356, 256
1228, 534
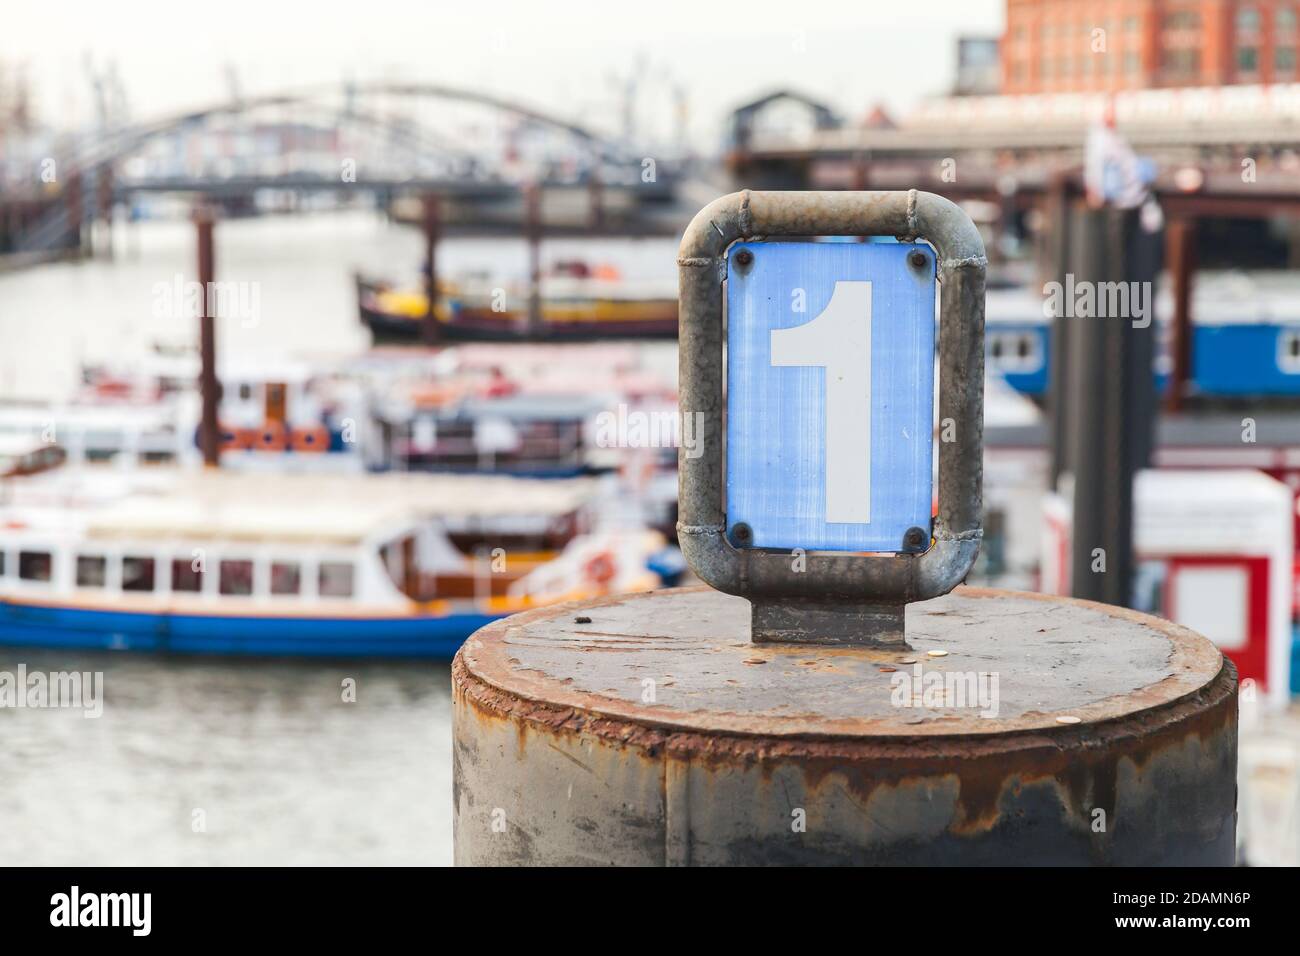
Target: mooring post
595, 199
1112, 398
533, 235
821, 701
204, 217
1180, 243
431, 331
1059, 213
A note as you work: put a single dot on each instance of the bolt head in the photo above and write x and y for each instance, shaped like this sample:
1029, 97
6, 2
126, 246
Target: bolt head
741, 534
914, 539
744, 257
917, 259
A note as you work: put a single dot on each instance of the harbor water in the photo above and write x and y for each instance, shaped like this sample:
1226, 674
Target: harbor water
214, 762
217, 761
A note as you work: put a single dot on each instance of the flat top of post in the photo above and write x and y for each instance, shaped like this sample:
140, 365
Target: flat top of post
1061, 665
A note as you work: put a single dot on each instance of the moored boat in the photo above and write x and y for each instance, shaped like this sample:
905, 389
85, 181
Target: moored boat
576, 303
320, 565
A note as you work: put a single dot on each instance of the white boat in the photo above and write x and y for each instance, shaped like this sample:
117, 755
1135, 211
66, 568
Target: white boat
234, 563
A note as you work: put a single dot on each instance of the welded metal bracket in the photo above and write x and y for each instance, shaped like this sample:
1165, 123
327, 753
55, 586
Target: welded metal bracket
836, 598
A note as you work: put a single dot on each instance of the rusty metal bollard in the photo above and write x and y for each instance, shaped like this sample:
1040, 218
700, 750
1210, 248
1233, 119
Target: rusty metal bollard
826, 705
658, 734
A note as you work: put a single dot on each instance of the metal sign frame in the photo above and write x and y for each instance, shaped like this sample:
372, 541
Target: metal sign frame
834, 597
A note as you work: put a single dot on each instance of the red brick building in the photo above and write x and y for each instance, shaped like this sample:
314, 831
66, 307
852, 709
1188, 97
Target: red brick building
1067, 46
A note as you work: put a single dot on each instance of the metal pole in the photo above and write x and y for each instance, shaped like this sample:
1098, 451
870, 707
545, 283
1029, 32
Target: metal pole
209, 387
1180, 245
595, 193
1142, 254
1057, 264
76, 209
431, 332
1111, 401
533, 230
104, 184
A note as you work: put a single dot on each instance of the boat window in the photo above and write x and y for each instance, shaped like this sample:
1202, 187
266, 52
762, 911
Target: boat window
99, 454
336, 579
236, 577
2, 562
156, 458
185, 576
286, 577
92, 570
137, 573
35, 565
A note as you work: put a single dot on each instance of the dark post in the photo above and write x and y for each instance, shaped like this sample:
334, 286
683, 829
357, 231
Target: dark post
1056, 264
431, 332
1180, 245
104, 202
1112, 401
533, 230
861, 170
209, 388
76, 208
595, 195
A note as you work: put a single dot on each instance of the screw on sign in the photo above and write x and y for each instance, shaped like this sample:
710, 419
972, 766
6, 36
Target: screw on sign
830, 366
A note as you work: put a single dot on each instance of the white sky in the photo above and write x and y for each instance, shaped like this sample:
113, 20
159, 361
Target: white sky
562, 56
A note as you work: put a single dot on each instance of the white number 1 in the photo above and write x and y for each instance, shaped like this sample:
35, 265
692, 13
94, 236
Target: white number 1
839, 340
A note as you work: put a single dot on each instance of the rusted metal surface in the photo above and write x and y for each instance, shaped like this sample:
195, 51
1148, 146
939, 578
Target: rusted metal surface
830, 579
658, 734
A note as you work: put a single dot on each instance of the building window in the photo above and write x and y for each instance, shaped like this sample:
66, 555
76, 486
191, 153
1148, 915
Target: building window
137, 573
185, 577
236, 578
1284, 59
1130, 24
1182, 62
286, 577
1183, 20
1247, 20
35, 565
336, 579
1247, 59
92, 570
1132, 62
1285, 20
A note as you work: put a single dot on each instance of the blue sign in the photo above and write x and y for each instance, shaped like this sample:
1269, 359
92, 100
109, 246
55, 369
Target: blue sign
830, 394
